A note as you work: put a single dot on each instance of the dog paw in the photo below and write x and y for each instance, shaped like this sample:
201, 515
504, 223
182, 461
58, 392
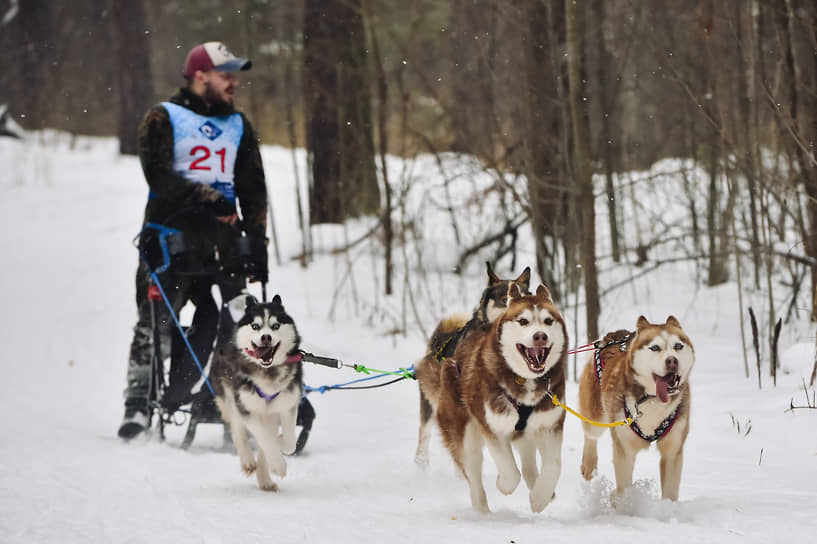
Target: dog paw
268, 486
538, 503
506, 483
421, 459
588, 471
248, 466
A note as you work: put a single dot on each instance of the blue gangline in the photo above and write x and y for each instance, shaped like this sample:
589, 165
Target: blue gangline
181, 330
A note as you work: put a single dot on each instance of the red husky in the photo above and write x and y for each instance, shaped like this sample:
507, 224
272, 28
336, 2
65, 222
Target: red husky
496, 391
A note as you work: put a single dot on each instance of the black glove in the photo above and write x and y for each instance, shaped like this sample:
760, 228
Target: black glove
258, 269
222, 207
252, 251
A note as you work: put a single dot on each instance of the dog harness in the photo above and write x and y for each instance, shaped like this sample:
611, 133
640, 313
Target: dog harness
525, 410
268, 398
296, 358
598, 361
447, 349
664, 426
662, 429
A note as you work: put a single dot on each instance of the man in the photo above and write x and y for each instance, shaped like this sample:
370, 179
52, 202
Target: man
199, 156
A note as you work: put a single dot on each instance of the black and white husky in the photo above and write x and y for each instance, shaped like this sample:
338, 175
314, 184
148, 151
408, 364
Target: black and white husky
258, 380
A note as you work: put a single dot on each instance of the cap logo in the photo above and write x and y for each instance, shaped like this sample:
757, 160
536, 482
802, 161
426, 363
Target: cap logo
219, 53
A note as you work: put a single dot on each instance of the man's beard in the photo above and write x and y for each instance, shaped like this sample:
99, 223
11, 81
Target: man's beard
216, 102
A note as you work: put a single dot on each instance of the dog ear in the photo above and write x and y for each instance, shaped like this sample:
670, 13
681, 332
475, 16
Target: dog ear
250, 301
237, 306
493, 279
642, 322
524, 279
673, 322
513, 292
542, 292
276, 300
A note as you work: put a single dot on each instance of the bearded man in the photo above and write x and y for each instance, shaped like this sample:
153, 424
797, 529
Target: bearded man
200, 158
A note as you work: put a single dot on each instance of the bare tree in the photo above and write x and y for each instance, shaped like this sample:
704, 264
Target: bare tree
383, 134
574, 18
28, 76
132, 46
339, 127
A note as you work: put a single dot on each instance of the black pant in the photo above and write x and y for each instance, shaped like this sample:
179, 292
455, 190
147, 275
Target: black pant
200, 334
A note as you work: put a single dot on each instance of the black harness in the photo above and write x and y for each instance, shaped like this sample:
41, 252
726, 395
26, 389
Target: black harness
447, 348
525, 410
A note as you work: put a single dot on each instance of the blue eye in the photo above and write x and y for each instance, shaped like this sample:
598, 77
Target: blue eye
256, 327
679, 346
275, 326
655, 347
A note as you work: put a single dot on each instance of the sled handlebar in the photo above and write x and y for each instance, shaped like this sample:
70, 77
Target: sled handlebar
164, 232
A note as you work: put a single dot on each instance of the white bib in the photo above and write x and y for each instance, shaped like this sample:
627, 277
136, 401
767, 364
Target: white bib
204, 148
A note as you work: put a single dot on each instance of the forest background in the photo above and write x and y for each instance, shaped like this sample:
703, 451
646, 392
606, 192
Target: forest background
551, 93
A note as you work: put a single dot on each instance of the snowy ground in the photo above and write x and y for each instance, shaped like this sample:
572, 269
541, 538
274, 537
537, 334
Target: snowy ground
69, 211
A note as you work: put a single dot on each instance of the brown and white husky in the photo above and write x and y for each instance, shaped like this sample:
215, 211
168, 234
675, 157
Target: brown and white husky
643, 375
449, 332
496, 391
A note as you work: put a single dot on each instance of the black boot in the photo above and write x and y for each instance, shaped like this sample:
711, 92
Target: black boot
135, 421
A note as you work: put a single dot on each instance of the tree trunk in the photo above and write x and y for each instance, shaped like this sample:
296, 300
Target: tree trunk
132, 46
608, 101
574, 17
338, 112
471, 40
541, 147
382, 131
31, 55
807, 70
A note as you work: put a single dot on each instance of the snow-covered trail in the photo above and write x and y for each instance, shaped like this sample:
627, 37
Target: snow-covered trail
69, 215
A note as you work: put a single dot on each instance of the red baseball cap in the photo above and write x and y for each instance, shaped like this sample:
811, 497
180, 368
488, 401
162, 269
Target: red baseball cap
213, 56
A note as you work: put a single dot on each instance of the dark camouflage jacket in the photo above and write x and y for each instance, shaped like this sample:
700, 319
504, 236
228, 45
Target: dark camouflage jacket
190, 206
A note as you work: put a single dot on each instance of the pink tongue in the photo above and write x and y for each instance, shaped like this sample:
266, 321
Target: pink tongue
661, 389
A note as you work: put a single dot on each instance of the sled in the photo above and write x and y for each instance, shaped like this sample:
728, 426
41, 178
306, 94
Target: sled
162, 248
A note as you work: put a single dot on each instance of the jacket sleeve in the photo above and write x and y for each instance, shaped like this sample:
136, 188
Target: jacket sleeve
250, 186
156, 155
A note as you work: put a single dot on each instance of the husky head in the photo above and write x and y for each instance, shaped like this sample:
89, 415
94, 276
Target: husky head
264, 332
532, 334
494, 298
663, 357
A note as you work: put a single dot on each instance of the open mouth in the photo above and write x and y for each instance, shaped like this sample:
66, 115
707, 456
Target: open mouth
666, 385
534, 357
263, 354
